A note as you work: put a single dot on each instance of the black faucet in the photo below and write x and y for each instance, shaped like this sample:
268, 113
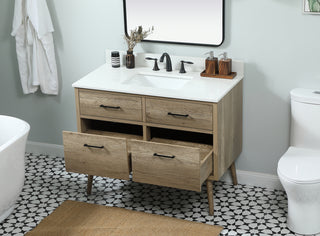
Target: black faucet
168, 61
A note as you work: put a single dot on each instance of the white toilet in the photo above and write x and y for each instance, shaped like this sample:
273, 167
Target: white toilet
299, 167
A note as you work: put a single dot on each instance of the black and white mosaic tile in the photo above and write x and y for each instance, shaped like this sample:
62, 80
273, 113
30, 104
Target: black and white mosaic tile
241, 209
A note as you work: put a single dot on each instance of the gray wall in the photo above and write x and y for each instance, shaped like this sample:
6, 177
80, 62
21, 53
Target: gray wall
279, 45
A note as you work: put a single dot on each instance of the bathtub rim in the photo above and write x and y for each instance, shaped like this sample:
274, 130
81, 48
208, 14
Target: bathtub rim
17, 136
7, 213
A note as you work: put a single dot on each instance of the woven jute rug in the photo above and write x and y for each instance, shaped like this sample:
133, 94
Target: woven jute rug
80, 219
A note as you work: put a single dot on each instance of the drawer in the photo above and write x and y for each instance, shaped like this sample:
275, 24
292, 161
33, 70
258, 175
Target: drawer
109, 105
173, 164
96, 155
179, 113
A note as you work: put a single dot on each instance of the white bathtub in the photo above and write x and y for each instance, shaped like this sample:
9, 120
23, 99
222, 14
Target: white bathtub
13, 138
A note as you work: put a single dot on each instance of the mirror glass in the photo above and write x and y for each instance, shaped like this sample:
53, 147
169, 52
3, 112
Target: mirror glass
198, 22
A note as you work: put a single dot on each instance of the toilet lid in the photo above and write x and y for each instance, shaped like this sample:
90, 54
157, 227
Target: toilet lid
300, 165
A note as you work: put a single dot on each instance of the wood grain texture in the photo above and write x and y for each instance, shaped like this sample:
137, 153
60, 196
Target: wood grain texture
80, 218
234, 174
80, 123
210, 196
110, 161
193, 163
183, 171
108, 119
218, 76
199, 115
82, 127
145, 129
203, 148
206, 166
212, 67
225, 67
146, 133
113, 134
228, 131
118, 135
89, 184
174, 127
130, 107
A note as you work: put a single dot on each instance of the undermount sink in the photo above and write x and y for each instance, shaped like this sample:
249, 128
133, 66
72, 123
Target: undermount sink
162, 81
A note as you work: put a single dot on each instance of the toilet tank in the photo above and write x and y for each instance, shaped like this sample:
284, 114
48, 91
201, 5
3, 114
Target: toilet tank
305, 118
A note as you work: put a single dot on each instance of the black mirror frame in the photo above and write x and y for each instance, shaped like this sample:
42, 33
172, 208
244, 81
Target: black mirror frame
174, 42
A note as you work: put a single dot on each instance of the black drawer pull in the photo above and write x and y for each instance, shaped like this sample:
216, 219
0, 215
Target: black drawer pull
158, 155
172, 114
91, 146
110, 107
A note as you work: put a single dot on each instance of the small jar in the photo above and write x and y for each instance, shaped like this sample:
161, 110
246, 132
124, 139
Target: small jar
115, 59
130, 60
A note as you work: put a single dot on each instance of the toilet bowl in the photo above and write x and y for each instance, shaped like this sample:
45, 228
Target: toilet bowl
299, 167
299, 173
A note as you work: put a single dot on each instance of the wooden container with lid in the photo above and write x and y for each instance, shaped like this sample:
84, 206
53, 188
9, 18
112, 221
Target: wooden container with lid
225, 65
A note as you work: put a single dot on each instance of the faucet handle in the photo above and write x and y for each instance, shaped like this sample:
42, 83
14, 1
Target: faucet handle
182, 70
155, 67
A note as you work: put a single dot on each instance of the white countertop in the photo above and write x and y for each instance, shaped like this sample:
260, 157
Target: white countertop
199, 88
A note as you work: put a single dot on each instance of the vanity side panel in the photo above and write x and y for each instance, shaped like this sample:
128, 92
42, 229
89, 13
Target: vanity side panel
215, 154
81, 126
228, 127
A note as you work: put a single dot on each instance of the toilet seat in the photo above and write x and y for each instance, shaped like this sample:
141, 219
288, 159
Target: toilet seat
300, 165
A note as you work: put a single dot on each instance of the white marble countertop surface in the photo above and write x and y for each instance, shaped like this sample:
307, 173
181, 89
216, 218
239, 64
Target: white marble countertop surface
198, 88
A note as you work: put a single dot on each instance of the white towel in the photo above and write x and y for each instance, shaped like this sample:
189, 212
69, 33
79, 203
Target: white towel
32, 28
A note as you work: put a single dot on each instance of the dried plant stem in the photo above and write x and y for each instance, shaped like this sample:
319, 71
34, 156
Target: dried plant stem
136, 36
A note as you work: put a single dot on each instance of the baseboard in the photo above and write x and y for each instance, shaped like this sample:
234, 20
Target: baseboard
255, 179
38, 148
244, 177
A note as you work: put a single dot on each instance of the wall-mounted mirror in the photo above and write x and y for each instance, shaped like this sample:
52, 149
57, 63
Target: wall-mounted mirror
197, 22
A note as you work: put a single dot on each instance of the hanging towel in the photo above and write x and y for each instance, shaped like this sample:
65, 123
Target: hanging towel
32, 28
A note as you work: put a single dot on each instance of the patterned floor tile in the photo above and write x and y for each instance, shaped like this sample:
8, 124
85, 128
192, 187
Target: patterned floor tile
241, 209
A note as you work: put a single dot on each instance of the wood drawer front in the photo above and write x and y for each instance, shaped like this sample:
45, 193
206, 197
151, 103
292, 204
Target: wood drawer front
109, 161
183, 171
104, 104
179, 113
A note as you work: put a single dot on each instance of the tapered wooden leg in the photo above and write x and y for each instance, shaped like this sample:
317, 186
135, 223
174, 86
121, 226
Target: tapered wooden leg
210, 196
89, 186
234, 174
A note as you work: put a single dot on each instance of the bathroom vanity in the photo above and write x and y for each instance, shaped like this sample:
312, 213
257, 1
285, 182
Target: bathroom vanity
179, 134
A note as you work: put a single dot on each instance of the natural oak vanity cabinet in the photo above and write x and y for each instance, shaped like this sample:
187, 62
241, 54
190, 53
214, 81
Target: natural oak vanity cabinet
176, 138
163, 141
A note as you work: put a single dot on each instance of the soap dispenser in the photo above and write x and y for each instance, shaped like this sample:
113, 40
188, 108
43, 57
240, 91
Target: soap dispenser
212, 66
225, 65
